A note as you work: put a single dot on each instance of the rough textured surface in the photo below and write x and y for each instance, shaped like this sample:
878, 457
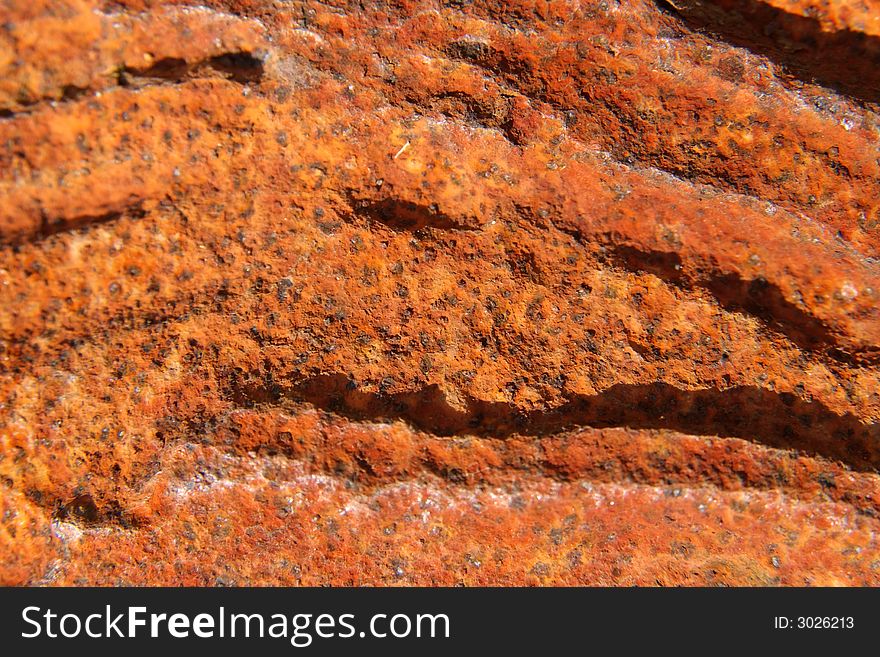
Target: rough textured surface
411, 292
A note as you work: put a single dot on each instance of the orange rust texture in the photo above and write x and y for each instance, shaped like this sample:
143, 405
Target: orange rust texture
419, 292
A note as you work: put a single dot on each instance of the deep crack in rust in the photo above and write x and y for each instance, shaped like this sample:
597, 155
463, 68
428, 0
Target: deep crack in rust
773, 419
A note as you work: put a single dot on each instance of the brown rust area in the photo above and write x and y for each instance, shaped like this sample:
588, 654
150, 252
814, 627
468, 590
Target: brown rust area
319, 293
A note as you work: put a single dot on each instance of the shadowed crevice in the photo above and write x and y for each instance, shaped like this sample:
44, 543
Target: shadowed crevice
83, 510
780, 420
757, 297
402, 215
240, 67
49, 227
843, 60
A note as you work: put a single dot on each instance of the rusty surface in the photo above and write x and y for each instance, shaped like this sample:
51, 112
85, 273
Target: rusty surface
440, 293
